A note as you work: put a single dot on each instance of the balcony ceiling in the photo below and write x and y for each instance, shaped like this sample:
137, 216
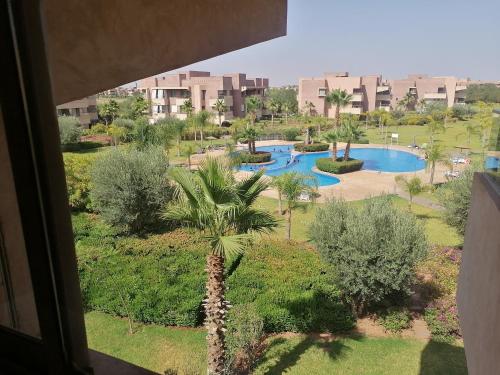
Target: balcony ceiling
95, 45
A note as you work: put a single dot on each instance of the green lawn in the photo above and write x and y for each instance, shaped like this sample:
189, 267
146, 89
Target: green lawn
159, 348
438, 232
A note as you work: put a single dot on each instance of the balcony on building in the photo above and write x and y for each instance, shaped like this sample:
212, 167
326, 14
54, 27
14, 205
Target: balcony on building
357, 95
435, 96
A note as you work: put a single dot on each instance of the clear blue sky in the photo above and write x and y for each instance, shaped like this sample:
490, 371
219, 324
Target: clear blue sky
391, 37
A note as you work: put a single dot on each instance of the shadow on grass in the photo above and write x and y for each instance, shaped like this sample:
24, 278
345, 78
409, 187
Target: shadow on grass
287, 359
439, 358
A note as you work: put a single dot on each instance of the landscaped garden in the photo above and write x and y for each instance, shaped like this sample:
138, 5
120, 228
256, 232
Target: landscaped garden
288, 279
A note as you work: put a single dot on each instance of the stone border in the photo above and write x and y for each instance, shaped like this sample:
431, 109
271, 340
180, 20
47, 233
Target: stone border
265, 163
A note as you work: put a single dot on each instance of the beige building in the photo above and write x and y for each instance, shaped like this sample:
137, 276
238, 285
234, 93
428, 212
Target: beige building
168, 93
371, 92
85, 110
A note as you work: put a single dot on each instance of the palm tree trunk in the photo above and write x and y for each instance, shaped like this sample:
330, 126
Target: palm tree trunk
280, 208
337, 116
178, 146
433, 168
411, 201
272, 118
189, 161
289, 223
249, 147
220, 122
215, 311
201, 137
334, 151
286, 118
347, 151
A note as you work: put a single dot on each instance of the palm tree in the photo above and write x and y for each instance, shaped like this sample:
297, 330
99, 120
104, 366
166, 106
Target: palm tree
220, 107
250, 135
188, 108
412, 186
293, 185
285, 107
434, 127
253, 105
339, 98
213, 201
277, 182
274, 107
332, 137
434, 155
189, 150
309, 108
349, 132
408, 101
201, 119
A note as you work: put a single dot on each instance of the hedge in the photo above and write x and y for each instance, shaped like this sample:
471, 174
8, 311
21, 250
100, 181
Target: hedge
340, 166
258, 157
78, 146
313, 147
161, 279
292, 289
362, 141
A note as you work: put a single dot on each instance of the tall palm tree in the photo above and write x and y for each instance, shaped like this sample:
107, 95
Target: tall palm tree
188, 151
413, 187
220, 107
339, 98
434, 155
215, 203
293, 185
285, 107
188, 108
274, 107
309, 108
201, 119
349, 132
332, 137
253, 105
277, 182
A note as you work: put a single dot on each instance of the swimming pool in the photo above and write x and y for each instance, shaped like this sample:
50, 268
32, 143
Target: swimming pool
375, 159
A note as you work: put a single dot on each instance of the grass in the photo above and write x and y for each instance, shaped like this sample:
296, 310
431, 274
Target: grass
159, 348
438, 232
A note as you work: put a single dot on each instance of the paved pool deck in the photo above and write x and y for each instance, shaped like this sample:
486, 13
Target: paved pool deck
364, 184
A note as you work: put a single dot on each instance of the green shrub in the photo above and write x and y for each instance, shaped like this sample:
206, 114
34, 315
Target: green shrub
258, 157
455, 197
340, 166
374, 249
79, 146
158, 279
292, 289
361, 141
395, 320
69, 129
443, 324
313, 147
77, 168
245, 332
414, 119
97, 129
129, 187
291, 134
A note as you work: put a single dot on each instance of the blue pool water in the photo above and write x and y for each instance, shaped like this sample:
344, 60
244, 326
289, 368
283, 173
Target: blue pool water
375, 159
492, 163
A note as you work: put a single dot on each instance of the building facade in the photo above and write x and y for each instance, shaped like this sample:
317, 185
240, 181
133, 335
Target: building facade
372, 92
168, 93
85, 110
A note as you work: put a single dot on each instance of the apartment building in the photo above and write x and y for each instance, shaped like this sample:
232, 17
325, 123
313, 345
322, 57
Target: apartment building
85, 110
372, 92
168, 93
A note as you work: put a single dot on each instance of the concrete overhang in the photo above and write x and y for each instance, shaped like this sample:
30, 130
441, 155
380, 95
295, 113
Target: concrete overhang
95, 45
435, 95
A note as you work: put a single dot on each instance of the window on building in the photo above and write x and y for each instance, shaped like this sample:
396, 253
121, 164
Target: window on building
322, 91
442, 90
230, 108
76, 112
203, 94
357, 91
202, 107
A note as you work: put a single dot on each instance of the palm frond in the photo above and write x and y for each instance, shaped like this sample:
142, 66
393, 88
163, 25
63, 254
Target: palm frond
229, 245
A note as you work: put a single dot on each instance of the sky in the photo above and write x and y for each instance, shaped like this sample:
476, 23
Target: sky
389, 37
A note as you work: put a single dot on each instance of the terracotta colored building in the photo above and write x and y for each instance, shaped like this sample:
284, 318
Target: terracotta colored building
85, 110
372, 92
169, 92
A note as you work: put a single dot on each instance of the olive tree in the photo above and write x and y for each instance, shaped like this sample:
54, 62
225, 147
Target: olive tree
373, 249
130, 187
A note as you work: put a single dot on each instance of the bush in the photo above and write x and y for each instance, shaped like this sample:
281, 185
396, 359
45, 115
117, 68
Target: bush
77, 168
291, 134
340, 166
85, 145
258, 157
395, 320
291, 288
374, 249
97, 129
159, 279
361, 141
69, 129
463, 111
313, 147
455, 197
443, 324
245, 331
130, 187
414, 119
